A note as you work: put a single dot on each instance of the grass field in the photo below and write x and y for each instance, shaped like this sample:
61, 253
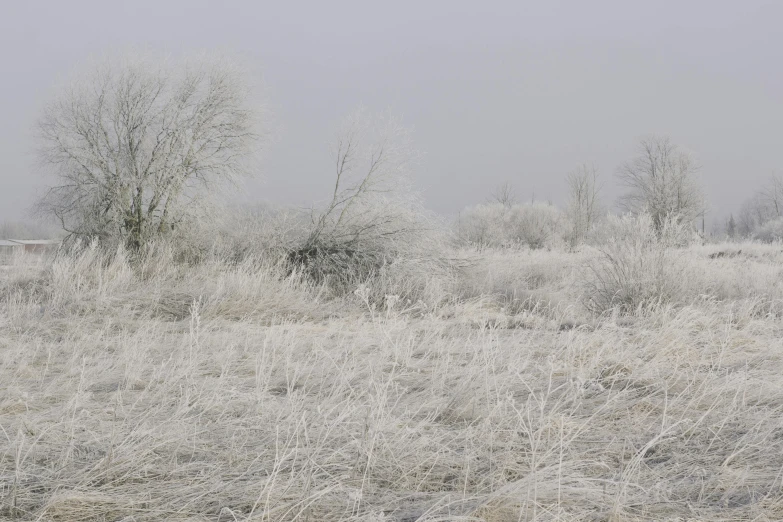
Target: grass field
220, 392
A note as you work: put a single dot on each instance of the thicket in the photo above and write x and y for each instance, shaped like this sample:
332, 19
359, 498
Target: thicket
638, 263
495, 225
770, 232
373, 232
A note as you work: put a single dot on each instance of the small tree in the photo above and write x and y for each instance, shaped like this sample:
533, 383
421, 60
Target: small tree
371, 216
505, 195
771, 196
663, 183
584, 207
753, 213
764, 206
731, 227
136, 144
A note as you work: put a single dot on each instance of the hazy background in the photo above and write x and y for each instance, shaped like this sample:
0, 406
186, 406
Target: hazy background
501, 91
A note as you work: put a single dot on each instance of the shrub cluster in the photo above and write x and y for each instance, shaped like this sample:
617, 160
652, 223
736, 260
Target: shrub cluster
390, 247
638, 264
534, 225
770, 232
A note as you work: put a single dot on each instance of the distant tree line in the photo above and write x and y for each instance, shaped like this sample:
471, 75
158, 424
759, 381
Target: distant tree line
661, 181
138, 148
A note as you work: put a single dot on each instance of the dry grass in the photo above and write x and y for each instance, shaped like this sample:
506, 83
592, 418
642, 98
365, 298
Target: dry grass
223, 392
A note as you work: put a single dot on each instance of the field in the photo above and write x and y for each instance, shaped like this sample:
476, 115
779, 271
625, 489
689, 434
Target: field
232, 392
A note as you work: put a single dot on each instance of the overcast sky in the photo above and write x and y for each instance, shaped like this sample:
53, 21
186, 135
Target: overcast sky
496, 91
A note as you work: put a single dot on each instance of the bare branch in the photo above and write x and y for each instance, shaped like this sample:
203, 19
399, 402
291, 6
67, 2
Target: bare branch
505, 195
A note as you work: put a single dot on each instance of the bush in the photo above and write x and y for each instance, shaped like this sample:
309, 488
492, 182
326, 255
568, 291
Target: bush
372, 232
770, 232
535, 225
388, 246
245, 233
637, 265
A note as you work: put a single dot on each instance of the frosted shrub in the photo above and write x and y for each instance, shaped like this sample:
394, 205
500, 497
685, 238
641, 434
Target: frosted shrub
482, 225
770, 232
373, 228
240, 234
638, 266
535, 225
394, 246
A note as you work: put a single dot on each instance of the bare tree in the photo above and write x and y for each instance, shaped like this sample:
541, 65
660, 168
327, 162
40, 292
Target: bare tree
371, 209
505, 195
584, 207
761, 208
753, 213
663, 182
771, 196
137, 143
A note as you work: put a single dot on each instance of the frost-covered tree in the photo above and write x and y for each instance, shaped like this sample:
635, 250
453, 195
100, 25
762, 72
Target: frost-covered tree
373, 216
505, 195
764, 206
584, 206
136, 144
731, 227
662, 181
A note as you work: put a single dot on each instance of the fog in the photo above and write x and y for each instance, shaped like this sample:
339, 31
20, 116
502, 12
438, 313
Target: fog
506, 91
360, 358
